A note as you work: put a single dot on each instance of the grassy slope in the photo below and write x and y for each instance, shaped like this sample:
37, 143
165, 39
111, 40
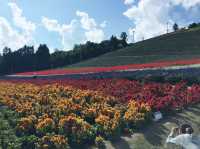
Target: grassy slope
154, 136
179, 45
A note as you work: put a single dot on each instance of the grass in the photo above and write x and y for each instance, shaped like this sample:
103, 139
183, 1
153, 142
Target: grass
154, 136
178, 45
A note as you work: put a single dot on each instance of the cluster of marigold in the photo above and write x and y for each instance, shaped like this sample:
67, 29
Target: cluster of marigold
60, 115
160, 96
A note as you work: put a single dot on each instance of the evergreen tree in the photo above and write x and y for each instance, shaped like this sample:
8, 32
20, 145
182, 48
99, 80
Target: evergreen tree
175, 27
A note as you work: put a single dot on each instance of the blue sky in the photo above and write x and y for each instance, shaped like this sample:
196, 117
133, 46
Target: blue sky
65, 10
62, 23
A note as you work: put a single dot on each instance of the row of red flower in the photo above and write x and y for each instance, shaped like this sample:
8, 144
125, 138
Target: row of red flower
114, 68
161, 96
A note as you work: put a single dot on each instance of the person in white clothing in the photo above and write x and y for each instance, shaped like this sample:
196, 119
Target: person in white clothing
183, 137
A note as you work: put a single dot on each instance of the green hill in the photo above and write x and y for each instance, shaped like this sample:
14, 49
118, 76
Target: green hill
184, 44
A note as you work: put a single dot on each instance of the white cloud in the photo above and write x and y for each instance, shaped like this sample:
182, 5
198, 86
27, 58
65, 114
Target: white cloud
93, 32
95, 35
131, 35
86, 22
11, 37
129, 2
150, 17
20, 21
103, 24
64, 30
51, 24
70, 33
186, 3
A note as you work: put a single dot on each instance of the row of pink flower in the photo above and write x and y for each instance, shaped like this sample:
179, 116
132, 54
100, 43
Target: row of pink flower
161, 96
114, 68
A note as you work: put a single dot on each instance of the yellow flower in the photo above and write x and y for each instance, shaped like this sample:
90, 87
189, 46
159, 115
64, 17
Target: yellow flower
45, 123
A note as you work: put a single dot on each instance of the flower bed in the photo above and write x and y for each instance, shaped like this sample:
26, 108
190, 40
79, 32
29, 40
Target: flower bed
56, 116
114, 68
67, 113
160, 96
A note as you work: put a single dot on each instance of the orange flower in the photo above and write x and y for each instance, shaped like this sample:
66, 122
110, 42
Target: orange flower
45, 123
54, 141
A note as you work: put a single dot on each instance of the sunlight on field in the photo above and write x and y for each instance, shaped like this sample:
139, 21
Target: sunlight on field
116, 113
154, 136
99, 74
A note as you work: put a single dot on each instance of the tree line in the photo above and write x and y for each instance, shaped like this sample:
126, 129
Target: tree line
190, 26
27, 59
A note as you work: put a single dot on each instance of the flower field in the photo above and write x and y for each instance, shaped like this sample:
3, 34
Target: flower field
159, 64
58, 116
69, 113
160, 96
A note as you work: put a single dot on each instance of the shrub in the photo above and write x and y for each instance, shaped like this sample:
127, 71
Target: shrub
109, 124
136, 114
76, 129
25, 126
53, 142
45, 125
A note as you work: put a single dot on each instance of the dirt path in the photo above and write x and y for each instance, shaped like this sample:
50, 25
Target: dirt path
154, 136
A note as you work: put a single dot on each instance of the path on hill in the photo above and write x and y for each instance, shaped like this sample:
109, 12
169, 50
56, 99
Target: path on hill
154, 136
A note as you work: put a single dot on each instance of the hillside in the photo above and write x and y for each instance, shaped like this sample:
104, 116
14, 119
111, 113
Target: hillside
182, 45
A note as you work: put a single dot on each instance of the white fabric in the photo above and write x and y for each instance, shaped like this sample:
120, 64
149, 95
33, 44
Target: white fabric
184, 140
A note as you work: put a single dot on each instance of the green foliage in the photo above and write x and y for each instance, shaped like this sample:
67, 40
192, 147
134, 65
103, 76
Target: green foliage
42, 57
8, 139
175, 27
25, 59
194, 25
124, 36
29, 142
80, 137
